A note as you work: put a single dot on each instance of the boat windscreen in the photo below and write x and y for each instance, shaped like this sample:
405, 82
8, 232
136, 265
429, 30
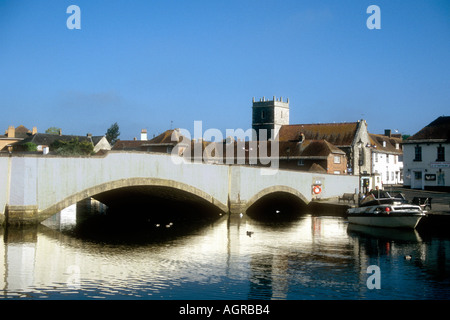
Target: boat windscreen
367, 199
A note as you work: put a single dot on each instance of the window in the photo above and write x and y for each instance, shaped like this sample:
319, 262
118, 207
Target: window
337, 159
440, 153
387, 158
376, 156
263, 114
418, 153
395, 159
387, 174
300, 162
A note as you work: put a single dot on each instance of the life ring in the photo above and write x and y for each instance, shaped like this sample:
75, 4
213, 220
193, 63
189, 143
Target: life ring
317, 189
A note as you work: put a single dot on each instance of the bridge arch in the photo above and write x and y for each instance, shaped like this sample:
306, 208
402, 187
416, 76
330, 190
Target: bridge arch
276, 197
101, 191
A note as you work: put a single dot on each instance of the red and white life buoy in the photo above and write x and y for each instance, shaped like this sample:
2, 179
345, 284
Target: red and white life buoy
317, 189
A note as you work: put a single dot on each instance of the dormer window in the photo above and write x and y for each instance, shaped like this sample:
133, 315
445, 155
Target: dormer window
384, 144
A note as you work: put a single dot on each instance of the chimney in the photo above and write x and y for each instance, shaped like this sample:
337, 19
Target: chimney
144, 135
387, 132
34, 131
11, 132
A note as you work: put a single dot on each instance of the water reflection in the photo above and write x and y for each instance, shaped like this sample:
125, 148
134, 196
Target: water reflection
310, 257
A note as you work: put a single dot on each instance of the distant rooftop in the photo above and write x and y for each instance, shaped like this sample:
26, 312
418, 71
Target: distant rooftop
338, 134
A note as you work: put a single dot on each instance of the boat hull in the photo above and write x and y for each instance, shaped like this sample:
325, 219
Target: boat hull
387, 221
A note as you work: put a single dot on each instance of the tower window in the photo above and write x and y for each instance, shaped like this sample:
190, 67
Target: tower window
263, 114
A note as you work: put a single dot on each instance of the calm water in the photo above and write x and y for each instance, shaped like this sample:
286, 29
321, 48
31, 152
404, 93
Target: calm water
310, 257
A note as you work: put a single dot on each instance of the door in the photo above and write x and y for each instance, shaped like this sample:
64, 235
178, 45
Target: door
417, 182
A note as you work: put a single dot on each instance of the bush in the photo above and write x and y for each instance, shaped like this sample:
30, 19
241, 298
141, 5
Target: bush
30, 146
72, 147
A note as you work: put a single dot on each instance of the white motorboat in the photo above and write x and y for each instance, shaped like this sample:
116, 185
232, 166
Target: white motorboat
380, 209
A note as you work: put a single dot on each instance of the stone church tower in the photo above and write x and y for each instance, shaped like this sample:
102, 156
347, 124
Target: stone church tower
269, 115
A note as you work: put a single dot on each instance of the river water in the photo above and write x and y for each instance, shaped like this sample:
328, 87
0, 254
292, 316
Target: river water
306, 257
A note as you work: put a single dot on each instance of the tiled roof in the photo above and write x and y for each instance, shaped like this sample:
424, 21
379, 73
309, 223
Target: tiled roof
393, 144
338, 134
317, 168
438, 129
128, 144
48, 139
166, 137
321, 148
22, 132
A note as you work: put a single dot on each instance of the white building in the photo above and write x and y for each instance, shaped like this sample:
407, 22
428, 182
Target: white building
387, 159
427, 157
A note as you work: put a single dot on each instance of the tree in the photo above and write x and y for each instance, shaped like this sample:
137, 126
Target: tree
112, 134
72, 147
53, 130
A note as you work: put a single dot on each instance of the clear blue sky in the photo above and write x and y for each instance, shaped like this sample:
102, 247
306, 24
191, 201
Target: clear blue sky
146, 63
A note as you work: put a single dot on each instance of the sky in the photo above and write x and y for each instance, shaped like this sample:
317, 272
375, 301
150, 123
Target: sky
162, 64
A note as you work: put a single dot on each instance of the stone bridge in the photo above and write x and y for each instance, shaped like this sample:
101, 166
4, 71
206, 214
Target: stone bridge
35, 187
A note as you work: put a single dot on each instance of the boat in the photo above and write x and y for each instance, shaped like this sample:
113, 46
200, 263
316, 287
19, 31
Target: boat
380, 209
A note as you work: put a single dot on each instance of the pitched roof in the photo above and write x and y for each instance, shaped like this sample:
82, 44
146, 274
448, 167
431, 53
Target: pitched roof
22, 132
320, 148
338, 134
317, 168
129, 144
439, 129
166, 137
392, 144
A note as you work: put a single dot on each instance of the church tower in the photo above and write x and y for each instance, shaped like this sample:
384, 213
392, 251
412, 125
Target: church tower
269, 114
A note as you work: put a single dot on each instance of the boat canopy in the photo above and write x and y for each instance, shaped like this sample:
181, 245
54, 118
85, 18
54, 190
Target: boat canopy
376, 197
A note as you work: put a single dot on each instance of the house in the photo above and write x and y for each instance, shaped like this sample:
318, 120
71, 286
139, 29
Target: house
349, 137
43, 141
377, 159
386, 159
426, 157
163, 143
312, 155
14, 135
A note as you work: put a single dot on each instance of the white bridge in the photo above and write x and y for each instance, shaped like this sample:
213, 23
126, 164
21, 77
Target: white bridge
35, 187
